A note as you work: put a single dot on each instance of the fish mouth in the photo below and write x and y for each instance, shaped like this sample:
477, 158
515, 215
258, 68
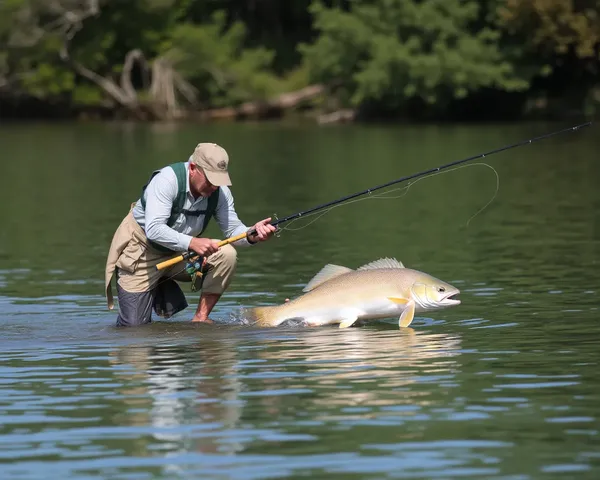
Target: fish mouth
450, 299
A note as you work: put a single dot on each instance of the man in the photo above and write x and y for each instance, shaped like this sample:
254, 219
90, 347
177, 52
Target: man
169, 218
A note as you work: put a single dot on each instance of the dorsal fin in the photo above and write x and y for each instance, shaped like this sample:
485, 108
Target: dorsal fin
326, 273
382, 263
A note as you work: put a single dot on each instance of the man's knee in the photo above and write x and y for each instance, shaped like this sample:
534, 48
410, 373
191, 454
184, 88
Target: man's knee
229, 254
226, 256
221, 268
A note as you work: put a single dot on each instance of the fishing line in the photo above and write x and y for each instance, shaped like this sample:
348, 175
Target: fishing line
379, 196
385, 196
491, 199
326, 207
448, 171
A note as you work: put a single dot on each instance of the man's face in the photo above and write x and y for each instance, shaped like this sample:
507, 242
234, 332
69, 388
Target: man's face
199, 184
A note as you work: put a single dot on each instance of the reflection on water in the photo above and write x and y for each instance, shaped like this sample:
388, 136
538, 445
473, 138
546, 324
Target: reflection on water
391, 360
213, 399
276, 402
199, 397
280, 401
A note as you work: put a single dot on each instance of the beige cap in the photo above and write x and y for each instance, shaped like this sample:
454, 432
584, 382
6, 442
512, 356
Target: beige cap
214, 161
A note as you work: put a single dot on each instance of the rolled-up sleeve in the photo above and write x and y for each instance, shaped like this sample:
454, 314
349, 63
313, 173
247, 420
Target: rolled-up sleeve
228, 220
160, 195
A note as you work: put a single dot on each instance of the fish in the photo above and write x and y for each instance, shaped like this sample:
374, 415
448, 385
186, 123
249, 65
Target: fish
383, 288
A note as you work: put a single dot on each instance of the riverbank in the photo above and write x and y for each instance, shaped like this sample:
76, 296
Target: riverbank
484, 107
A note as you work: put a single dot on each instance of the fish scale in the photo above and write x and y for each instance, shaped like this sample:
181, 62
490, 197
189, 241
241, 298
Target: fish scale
380, 289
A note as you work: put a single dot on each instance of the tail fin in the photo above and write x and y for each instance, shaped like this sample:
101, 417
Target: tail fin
263, 316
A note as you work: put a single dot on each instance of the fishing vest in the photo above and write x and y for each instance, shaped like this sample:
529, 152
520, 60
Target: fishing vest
177, 207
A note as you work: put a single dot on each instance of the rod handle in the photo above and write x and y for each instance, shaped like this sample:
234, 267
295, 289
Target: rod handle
236, 238
170, 262
185, 256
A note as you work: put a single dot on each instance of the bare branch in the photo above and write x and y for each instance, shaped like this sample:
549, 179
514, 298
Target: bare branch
218, 76
110, 87
69, 23
166, 84
189, 92
71, 15
130, 59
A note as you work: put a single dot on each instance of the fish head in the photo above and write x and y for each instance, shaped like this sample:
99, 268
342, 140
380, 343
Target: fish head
430, 293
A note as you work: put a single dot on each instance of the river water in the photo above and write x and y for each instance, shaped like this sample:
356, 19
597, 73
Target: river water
506, 385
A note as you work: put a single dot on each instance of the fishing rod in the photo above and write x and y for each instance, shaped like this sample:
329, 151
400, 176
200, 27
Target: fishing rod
187, 255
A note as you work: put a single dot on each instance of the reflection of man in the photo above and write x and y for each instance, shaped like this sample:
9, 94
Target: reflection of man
163, 373
171, 214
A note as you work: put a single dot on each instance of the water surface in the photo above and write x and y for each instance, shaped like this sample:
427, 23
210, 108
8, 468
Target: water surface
504, 386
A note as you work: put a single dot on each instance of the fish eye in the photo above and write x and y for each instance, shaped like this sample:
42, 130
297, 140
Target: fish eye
441, 289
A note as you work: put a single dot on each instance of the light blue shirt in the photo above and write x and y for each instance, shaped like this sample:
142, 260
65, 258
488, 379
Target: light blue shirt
160, 195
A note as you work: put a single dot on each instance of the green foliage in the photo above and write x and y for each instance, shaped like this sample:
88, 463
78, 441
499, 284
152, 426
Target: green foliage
48, 80
554, 26
295, 79
554, 36
386, 55
86, 94
213, 58
394, 50
30, 63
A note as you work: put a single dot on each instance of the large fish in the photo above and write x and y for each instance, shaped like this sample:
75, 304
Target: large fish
380, 289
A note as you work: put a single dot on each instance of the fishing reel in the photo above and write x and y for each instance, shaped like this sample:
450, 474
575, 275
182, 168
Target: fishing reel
194, 269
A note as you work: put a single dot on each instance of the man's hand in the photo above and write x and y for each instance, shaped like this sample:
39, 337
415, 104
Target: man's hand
204, 246
264, 231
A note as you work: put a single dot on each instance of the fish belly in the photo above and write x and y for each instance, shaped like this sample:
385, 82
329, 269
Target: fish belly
329, 315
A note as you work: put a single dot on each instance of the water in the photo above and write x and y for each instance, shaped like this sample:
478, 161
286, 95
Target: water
504, 386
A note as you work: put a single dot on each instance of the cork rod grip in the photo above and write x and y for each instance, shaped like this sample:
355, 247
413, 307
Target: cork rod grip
185, 256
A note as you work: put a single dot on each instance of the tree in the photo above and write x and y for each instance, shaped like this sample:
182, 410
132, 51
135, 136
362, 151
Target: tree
555, 27
558, 45
389, 52
138, 55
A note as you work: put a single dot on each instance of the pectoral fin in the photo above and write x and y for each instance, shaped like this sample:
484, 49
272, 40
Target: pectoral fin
348, 321
407, 315
402, 301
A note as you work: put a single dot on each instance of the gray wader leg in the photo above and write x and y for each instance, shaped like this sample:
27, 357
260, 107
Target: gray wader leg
135, 309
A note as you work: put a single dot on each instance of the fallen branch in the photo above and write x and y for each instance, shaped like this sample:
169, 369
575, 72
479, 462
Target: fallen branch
340, 116
260, 109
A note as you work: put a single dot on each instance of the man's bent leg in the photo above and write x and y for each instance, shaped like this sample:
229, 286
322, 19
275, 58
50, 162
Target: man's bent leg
134, 263
205, 305
135, 308
221, 268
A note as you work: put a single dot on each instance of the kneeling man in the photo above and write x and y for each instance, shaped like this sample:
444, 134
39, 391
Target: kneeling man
168, 219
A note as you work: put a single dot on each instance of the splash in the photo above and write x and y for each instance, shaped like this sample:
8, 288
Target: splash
241, 317
244, 318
